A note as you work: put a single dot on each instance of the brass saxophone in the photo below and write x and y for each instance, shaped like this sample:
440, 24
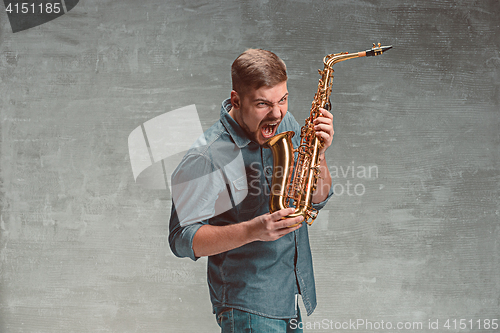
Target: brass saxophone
293, 184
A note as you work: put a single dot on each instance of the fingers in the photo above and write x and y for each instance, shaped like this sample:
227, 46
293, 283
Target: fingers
324, 123
290, 222
278, 215
282, 222
324, 128
291, 228
269, 227
324, 131
326, 113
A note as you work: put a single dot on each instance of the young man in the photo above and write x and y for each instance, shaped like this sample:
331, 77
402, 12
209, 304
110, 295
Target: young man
257, 262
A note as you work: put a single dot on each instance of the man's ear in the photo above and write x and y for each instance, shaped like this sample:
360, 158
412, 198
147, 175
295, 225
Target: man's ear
235, 99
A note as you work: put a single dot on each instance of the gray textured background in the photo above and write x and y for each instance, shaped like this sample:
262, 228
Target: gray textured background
84, 248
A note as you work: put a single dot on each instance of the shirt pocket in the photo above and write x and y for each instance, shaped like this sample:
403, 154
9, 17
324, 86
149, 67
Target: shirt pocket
248, 195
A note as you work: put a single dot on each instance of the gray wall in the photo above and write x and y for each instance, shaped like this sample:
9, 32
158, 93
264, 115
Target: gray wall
84, 248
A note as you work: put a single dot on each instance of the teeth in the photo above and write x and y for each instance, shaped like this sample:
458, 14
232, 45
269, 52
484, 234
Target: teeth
268, 129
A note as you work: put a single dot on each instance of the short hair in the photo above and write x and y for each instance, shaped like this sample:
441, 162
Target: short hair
256, 68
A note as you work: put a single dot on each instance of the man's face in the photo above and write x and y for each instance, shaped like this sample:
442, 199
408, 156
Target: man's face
260, 111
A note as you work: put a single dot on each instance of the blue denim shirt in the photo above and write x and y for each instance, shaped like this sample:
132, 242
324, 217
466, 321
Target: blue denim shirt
223, 179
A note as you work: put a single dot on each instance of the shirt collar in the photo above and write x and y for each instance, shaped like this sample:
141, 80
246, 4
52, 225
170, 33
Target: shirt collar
233, 128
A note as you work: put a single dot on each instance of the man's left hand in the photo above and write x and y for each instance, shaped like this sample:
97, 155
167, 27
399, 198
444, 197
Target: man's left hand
323, 125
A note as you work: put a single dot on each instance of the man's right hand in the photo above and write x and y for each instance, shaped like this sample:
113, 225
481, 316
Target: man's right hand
210, 240
270, 227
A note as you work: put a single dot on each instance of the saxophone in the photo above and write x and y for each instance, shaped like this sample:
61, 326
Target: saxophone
294, 182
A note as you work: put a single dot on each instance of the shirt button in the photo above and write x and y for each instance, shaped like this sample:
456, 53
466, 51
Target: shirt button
268, 171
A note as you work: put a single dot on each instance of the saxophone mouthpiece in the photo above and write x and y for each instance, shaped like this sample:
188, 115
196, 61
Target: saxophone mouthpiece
377, 50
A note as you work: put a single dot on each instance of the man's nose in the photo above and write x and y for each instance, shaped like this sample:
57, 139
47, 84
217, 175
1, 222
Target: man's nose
276, 111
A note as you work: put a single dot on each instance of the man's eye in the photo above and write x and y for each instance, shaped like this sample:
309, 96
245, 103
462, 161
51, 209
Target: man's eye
283, 100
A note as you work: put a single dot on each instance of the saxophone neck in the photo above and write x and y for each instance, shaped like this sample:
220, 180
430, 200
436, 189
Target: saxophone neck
377, 50
332, 59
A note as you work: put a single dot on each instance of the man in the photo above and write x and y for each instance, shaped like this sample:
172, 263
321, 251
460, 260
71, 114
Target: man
258, 262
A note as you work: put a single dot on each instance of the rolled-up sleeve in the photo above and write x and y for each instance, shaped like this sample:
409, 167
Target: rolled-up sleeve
322, 204
181, 238
193, 199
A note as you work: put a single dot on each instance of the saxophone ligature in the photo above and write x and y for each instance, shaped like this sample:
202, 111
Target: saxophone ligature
295, 180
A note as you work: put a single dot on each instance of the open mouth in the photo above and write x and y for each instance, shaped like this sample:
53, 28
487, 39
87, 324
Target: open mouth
269, 130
